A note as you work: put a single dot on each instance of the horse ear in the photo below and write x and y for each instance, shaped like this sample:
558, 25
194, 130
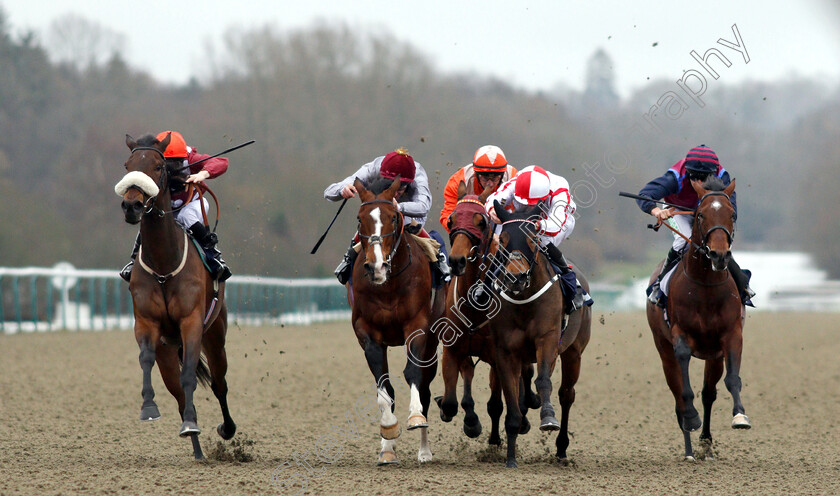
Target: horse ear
486, 193
503, 214
730, 189
392, 190
130, 142
364, 194
462, 189
164, 142
698, 187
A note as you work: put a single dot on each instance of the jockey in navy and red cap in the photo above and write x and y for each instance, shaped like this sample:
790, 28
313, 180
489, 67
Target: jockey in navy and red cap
414, 199
674, 187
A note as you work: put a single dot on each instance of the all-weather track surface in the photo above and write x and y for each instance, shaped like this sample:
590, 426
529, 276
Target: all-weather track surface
70, 402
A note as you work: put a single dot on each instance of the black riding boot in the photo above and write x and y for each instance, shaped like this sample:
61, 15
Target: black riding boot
654, 293
125, 273
742, 281
345, 268
208, 240
556, 256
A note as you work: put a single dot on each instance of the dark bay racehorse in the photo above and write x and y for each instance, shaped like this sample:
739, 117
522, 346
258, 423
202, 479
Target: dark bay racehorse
179, 310
389, 295
706, 316
528, 328
466, 333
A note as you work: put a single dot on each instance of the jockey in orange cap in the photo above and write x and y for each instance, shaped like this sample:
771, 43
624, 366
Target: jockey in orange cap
188, 210
488, 168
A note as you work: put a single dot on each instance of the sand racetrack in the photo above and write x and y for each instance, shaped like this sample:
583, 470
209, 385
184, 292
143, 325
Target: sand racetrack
69, 404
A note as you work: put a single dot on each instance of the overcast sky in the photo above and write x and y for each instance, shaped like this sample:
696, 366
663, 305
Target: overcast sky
531, 44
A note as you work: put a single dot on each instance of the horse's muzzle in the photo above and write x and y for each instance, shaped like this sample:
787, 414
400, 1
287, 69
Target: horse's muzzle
457, 265
720, 261
377, 277
133, 211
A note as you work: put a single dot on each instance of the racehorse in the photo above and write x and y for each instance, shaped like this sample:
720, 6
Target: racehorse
179, 310
529, 328
390, 299
470, 234
705, 313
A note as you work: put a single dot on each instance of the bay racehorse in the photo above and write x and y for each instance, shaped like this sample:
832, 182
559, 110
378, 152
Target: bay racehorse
179, 310
705, 314
390, 298
466, 333
529, 327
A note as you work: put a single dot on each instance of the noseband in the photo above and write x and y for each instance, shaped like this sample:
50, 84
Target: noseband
377, 240
149, 204
477, 238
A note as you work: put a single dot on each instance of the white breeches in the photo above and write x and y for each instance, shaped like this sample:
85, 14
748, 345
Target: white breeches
681, 223
190, 213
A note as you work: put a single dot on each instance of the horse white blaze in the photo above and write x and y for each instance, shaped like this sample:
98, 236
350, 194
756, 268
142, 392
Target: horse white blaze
384, 399
716, 205
378, 267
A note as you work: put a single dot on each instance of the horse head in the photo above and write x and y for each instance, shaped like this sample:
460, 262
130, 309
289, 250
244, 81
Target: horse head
714, 221
380, 226
518, 245
146, 176
468, 227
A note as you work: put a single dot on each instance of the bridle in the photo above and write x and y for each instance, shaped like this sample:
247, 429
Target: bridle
149, 204
533, 253
477, 238
730, 235
374, 239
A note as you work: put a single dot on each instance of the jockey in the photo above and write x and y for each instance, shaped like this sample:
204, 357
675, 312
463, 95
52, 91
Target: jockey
527, 188
488, 168
674, 187
188, 210
413, 199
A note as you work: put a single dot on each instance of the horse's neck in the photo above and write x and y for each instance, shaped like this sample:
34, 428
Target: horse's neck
161, 239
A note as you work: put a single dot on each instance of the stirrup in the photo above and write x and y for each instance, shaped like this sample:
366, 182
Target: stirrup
343, 271
125, 273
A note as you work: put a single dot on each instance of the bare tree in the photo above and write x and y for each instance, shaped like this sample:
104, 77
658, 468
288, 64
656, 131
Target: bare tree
82, 43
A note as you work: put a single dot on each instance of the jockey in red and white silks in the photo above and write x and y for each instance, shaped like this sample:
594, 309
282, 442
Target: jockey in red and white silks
528, 187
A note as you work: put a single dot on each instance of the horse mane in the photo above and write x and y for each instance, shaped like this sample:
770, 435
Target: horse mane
380, 185
714, 184
147, 140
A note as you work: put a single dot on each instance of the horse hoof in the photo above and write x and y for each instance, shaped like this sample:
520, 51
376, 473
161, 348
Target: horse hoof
472, 431
390, 432
549, 423
511, 463
387, 458
565, 462
188, 428
417, 422
149, 413
525, 426
494, 441
220, 429
741, 421
689, 458
424, 456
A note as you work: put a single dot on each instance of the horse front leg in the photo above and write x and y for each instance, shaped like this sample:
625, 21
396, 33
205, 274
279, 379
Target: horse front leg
389, 426
147, 335
733, 345
495, 408
691, 419
711, 375
509, 368
673, 376
547, 349
448, 403
191, 334
472, 425
420, 368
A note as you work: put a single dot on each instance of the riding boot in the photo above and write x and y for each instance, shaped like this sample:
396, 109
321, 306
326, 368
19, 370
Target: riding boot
742, 281
654, 292
125, 273
556, 257
345, 269
208, 240
441, 270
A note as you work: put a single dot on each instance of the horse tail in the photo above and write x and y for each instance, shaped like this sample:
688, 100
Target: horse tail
202, 373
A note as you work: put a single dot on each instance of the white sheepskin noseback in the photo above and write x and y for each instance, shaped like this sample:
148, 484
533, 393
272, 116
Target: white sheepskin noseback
138, 179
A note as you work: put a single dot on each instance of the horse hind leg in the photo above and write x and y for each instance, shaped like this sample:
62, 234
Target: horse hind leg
673, 376
214, 349
570, 365
691, 419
